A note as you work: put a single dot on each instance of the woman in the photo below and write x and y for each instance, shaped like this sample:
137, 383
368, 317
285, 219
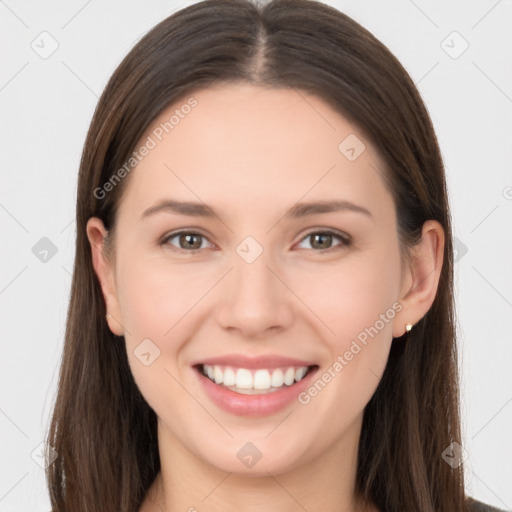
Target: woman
264, 263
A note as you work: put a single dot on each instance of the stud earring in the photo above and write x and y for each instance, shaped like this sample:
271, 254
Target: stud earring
408, 327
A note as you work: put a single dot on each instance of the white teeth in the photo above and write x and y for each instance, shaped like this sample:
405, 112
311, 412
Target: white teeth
243, 379
261, 379
229, 377
299, 373
248, 381
277, 378
217, 374
289, 376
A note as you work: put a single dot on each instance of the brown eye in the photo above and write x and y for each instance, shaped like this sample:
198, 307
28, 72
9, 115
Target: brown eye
323, 240
319, 241
187, 241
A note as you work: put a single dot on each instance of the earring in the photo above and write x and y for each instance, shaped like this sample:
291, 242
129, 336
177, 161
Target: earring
408, 327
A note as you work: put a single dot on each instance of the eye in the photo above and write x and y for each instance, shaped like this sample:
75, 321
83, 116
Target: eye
322, 240
187, 240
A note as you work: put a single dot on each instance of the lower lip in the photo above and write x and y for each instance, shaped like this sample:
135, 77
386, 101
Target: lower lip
254, 405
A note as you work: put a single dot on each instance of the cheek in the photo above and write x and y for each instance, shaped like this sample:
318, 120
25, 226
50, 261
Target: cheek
357, 301
353, 293
154, 304
154, 297
163, 304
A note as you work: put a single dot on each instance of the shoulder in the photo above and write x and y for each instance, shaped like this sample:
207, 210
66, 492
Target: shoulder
478, 506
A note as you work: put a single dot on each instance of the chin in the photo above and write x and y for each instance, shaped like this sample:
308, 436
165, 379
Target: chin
256, 459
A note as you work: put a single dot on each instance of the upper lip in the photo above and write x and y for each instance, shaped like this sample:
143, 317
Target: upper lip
264, 361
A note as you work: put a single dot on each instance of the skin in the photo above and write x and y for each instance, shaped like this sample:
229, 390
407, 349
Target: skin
251, 154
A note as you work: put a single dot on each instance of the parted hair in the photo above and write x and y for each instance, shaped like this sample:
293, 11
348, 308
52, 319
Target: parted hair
104, 432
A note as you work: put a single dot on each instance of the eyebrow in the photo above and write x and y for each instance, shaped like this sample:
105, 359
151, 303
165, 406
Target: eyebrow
297, 211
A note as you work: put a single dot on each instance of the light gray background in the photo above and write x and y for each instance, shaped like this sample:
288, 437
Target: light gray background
47, 105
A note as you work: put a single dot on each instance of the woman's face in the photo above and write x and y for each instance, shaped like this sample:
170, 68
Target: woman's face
257, 273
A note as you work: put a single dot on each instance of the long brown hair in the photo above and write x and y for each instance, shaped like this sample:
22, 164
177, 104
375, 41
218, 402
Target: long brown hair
102, 429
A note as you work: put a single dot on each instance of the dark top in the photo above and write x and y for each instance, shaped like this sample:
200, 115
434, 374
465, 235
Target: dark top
478, 506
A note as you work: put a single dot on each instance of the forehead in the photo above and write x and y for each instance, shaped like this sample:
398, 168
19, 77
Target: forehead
241, 144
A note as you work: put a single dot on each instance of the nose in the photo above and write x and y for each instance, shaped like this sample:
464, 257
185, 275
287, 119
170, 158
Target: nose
255, 299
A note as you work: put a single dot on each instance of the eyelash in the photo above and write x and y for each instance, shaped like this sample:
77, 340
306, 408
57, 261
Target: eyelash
345, 240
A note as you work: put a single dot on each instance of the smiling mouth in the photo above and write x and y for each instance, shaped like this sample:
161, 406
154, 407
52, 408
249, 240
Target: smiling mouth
254, 381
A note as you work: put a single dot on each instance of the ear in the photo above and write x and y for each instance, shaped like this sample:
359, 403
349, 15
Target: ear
421, 278
104, 269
